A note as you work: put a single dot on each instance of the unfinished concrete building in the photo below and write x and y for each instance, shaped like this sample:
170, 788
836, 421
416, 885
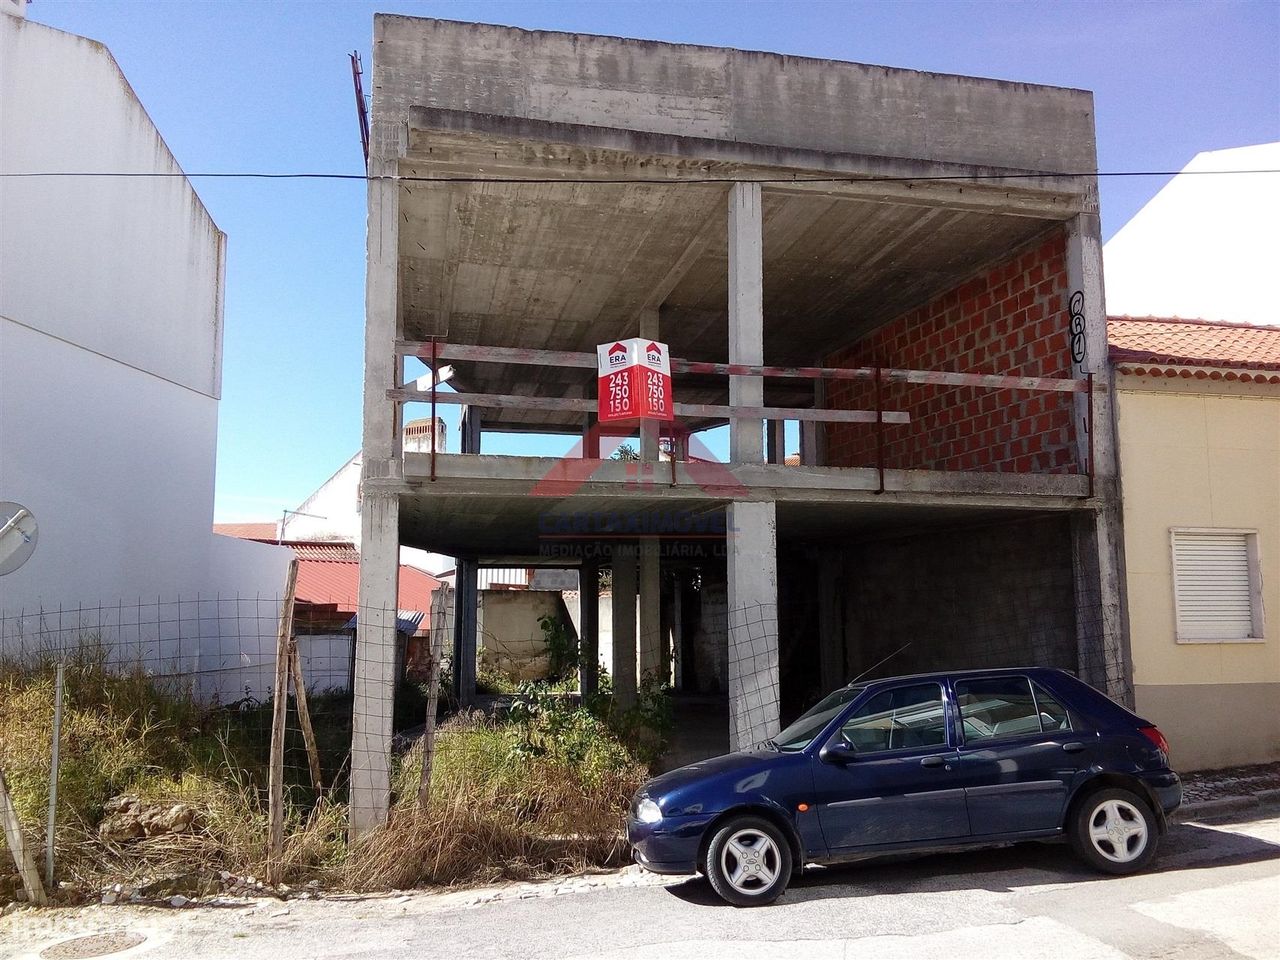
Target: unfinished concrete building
905, 264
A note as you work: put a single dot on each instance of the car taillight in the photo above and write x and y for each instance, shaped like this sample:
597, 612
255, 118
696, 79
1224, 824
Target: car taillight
1156, 737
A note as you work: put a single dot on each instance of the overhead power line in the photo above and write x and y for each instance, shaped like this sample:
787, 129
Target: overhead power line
844, 178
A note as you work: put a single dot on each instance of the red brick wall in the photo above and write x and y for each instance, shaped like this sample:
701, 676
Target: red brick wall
1012, 320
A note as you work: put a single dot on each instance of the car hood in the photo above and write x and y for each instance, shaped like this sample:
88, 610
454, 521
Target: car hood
706, 770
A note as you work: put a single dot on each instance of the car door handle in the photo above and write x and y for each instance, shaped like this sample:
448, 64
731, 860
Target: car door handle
933, 761
1073, 747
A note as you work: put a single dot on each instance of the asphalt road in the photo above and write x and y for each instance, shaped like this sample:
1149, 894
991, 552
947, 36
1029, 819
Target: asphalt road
1214, 894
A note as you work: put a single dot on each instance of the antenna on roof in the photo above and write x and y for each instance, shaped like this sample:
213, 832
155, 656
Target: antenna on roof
284, 518
362, 109
877, 663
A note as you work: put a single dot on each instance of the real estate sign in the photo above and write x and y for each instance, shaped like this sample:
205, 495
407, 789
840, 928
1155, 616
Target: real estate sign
633, 381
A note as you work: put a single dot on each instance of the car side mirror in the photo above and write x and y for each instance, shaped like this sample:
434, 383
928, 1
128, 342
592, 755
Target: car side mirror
837, 753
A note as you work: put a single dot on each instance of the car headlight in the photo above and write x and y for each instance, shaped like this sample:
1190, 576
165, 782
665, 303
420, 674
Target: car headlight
647, 811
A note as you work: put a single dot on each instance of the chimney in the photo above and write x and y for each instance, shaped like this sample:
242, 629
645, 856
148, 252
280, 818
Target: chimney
14, 8
418, 435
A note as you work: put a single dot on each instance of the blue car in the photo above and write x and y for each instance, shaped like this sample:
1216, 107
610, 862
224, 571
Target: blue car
909, 763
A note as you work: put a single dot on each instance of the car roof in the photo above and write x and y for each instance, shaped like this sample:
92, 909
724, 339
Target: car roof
952, 674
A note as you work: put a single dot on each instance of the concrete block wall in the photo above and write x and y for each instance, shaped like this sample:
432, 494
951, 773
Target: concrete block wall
997, 595
1009, 319
710, 641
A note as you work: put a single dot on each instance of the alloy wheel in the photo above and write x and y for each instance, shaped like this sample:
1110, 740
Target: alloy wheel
751, 861
1118, 831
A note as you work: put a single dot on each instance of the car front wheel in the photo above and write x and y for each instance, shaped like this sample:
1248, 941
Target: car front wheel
748, 862
1114, 831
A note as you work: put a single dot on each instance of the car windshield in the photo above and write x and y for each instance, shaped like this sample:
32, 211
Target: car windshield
801, 733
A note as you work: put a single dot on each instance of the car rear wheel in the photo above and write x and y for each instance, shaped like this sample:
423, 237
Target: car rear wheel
1114, 831
748, 861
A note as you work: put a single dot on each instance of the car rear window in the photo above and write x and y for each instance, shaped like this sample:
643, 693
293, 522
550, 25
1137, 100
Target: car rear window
996, 708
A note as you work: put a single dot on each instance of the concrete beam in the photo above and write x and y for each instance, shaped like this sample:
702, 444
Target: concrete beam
375, 679
753, 623
679, 269
624, 625
461, 143
652, 655
484, 474
746, 316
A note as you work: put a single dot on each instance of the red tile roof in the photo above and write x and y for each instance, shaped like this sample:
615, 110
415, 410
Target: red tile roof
324, 550
1196, 343
247, 531
338, 582
329, 570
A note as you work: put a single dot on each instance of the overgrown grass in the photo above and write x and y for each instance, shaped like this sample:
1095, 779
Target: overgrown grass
498, 810
511, 799
124, 732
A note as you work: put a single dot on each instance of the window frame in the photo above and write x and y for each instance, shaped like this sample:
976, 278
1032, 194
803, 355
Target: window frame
948, 720
1253, 554
1013, 737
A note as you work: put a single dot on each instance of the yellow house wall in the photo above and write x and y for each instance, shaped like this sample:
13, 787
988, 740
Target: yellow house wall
1201, 454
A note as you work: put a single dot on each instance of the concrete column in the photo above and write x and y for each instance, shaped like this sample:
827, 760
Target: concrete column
466, 601
746, 317
382, 324
375, 667
753, 623
469, 430
776, 435
649, 429
832, 658
590, 437
651, 645
677, 631
680, 445
589, 638
1102, 634
375, 672
812, 436
624, 625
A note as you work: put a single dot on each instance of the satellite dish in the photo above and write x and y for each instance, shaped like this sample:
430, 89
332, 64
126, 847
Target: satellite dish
18, 534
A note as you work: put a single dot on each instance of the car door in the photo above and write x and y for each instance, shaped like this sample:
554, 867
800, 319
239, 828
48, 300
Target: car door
889, 775
1017, 755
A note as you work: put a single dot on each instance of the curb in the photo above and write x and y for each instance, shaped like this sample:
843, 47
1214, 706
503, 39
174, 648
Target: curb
1212, 808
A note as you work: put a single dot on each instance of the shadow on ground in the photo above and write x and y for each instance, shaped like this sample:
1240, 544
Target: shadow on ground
1187, 846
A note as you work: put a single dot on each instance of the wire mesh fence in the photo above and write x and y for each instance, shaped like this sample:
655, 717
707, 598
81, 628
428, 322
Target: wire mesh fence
754, 682
209, 666
160, 695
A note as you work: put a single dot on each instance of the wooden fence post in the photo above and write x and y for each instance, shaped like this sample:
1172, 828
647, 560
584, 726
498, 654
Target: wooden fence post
279, 715
304, 715
17, 844
441, 626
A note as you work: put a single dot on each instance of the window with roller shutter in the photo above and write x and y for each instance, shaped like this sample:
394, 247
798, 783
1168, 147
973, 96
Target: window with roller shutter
1217, 586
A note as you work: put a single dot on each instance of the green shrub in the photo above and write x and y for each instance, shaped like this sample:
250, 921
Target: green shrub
499, 809
562, 648
541, 791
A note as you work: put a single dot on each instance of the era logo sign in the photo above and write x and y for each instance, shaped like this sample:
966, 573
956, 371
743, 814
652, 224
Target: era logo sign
633, 381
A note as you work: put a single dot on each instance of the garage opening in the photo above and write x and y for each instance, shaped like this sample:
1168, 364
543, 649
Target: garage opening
951, 596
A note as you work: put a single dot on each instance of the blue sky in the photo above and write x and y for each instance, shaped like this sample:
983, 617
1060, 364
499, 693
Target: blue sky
265, 86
